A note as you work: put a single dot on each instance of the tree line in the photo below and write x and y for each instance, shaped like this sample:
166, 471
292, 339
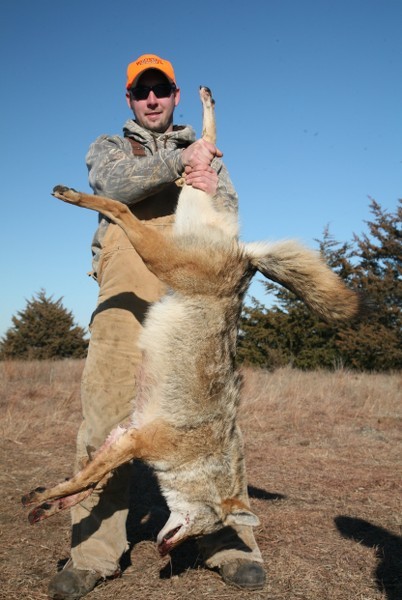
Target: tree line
284, 334
288, 334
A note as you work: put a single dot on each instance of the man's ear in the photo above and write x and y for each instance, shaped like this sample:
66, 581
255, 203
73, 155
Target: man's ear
237, 513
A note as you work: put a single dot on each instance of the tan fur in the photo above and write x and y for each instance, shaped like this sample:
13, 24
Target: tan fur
189, 390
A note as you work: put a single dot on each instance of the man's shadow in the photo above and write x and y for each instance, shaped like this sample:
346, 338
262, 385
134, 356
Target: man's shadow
148, 514
388, 574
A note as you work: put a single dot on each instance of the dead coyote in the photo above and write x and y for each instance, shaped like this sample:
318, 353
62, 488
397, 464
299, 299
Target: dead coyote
188, 392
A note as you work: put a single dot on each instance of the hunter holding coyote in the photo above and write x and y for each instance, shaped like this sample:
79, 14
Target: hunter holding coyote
139, 169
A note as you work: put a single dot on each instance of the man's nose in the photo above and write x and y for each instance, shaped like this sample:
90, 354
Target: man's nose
152, 99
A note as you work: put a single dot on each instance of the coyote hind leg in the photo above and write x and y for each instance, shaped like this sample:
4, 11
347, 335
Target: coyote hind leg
114, 210
157, 250
160, 252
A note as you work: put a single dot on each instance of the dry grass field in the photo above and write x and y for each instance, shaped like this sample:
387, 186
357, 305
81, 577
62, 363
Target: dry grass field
324, 457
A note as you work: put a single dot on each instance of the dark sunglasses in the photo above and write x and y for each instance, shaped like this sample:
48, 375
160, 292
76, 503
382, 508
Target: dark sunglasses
161, 90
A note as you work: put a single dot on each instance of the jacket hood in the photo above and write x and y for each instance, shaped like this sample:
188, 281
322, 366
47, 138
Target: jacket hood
181, 134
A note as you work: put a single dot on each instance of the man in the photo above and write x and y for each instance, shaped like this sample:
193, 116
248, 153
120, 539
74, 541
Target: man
139, 169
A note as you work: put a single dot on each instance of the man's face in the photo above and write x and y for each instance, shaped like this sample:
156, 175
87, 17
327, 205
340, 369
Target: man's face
154, 114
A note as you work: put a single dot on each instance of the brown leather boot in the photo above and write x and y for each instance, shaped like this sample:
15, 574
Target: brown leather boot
244, 574
72, 583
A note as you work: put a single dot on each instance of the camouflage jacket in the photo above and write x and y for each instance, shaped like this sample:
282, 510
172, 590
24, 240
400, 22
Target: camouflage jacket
145, 183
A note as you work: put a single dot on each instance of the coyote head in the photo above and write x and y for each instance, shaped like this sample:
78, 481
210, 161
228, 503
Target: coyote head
192, 519
206, 494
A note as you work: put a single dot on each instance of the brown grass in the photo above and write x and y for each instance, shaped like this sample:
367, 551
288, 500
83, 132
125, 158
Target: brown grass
324, 457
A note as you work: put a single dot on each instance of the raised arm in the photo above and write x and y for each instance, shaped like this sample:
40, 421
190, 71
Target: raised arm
114, 171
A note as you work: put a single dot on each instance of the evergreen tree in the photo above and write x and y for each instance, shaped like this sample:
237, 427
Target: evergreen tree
45, 329
375, 342
260, 339
289, 334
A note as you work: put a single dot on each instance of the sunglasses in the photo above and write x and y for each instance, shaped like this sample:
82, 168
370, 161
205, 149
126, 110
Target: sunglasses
161, 90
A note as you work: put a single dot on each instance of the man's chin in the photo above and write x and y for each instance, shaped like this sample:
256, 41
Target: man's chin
156, 125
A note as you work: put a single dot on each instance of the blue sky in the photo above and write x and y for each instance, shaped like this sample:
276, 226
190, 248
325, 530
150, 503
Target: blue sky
309, 111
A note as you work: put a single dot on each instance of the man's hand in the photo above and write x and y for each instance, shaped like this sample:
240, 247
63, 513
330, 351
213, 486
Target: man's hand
199, 153
202, 178
198, 172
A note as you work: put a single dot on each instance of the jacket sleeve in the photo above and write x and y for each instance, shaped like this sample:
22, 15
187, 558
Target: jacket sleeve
116, 173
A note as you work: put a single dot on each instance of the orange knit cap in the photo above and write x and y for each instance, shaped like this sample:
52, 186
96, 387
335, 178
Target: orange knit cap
145, 62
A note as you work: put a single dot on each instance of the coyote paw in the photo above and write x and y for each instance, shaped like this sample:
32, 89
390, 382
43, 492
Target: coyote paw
39, 513
50, 506
32, 497
206, 95
66, 194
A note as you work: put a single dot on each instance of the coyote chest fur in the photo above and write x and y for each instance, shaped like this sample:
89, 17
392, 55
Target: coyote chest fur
189, 344
188, 393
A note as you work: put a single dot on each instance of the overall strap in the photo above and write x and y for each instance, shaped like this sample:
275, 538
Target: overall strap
138, 149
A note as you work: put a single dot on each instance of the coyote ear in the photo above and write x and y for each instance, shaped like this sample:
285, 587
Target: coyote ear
242, 517
237, 513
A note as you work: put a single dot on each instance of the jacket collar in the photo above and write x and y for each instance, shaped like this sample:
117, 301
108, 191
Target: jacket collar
181, 134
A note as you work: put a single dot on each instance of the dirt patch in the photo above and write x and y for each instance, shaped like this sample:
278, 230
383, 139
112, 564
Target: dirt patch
324, 467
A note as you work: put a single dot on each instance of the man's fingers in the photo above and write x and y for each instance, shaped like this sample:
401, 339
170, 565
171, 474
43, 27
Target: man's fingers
203, 179
199, 168
213, 149
200, 152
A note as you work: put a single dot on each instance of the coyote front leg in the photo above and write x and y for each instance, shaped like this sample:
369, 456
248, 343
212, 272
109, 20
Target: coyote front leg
151, 442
